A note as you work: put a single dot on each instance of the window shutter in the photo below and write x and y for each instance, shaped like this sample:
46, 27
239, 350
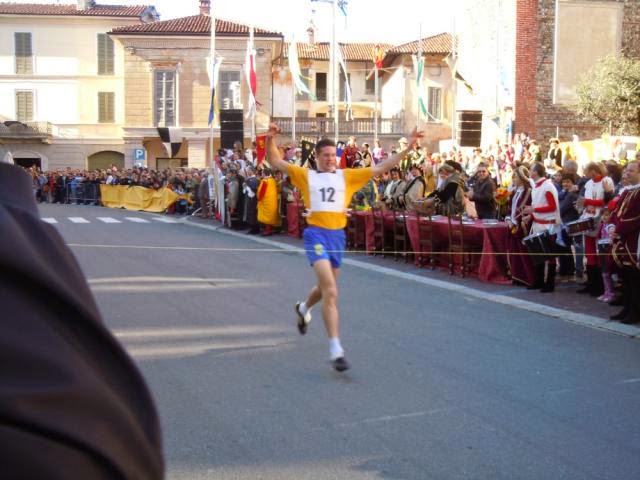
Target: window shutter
106, 107
435, 103
24, 53
24, 106
105, 55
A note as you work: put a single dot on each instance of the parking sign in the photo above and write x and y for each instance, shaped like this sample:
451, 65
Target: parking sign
138, 154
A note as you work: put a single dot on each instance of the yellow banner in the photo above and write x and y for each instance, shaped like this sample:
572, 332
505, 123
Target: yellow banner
138, 198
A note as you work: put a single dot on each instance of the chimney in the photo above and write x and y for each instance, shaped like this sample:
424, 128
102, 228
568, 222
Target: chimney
86, 4
205, 7
311, 31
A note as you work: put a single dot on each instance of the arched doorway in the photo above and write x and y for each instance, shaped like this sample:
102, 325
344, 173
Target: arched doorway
104, 160
28, 159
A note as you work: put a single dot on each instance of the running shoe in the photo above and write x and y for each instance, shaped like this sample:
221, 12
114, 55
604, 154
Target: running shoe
303, 320
340, 364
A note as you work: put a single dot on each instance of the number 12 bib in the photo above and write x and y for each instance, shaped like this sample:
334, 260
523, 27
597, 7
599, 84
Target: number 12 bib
327, 191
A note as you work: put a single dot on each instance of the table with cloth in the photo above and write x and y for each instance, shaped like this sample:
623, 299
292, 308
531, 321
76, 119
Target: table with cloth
490, 238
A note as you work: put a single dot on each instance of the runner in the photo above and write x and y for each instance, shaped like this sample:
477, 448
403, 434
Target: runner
327, 193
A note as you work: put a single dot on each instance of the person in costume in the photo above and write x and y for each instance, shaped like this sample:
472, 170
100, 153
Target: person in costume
544, 215
268, 203
520, 265
327, 193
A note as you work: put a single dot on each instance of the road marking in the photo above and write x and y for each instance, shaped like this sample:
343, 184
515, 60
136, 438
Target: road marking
137, 220
165, 220
49, 220
79, 220
566, 315
108, 220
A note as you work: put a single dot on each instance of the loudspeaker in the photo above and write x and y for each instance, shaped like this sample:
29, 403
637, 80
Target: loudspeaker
231, 127
469, 128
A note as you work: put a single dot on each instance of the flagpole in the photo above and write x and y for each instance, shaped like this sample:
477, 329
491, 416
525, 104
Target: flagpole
293, 103
375, 110
418, 86
212, 54
454, 87
335, 75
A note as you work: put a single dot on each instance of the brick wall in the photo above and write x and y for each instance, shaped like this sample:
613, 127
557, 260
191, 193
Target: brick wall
527, 58
545, 117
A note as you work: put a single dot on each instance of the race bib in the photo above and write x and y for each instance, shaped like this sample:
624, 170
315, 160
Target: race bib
327, 191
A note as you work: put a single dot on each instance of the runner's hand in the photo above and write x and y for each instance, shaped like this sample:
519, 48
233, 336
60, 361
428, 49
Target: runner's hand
274, 130
414, 136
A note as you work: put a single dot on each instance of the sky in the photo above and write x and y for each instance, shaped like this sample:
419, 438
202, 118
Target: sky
394, 21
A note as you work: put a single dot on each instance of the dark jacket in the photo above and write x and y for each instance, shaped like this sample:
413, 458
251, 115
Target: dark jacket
483, 197
568, 211
72, 402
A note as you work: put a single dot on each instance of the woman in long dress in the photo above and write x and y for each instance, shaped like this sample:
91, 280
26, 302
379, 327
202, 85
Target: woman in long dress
518, 258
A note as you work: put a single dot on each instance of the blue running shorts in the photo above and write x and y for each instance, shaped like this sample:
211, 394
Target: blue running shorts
324, 244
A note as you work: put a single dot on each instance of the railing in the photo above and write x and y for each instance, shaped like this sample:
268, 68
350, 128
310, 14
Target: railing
26, 130
318, 126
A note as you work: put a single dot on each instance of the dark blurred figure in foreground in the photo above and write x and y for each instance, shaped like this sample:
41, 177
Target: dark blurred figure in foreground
72, 402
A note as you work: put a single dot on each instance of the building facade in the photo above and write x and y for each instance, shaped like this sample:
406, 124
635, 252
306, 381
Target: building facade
167, 84
523, 59
62, 83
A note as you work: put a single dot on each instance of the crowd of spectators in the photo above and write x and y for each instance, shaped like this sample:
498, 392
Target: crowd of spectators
478, 183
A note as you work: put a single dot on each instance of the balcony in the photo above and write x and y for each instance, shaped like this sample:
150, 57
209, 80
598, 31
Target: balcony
322, 126
26, 131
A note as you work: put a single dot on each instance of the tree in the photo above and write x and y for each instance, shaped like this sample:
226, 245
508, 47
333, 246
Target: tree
609, 94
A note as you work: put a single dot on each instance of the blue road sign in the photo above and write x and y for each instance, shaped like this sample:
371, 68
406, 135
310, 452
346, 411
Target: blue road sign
138, 154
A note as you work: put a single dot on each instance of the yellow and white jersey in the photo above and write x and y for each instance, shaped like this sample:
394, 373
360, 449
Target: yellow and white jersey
328, 195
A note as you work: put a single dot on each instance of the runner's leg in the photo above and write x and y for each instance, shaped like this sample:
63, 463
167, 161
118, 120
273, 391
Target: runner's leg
329, 293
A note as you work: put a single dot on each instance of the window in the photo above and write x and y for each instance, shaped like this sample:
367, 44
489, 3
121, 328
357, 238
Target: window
24, 105
106, 107
435, 104
342, 85
230, 90
302, 113
24, 53
105, 54
165, 98
370, 81
305, 80
321, 86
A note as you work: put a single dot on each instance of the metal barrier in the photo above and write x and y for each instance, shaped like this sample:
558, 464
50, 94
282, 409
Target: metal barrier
85, 193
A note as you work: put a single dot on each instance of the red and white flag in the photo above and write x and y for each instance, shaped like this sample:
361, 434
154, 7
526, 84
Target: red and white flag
250, 74
261, 148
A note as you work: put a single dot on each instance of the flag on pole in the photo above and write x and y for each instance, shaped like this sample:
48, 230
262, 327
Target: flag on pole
171, 138
418, 67
250, 74
452, 63
213, 69
261, 148
296, 73
347, 88
378, 56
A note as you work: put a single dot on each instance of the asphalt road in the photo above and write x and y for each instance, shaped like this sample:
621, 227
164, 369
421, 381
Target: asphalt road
443, 385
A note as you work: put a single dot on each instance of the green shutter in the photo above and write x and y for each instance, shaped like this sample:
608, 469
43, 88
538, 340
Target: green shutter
24, 53
106, 107
105, 54
24, 106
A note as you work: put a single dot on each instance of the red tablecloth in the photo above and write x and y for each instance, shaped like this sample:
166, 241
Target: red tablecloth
493, 265
292, 218
369, 227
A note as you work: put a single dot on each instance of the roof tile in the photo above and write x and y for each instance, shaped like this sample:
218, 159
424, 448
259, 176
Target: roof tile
72, 10
193, 25
441, 43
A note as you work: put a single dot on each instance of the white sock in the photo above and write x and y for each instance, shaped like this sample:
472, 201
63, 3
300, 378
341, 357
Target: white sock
303, 308
335, 349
